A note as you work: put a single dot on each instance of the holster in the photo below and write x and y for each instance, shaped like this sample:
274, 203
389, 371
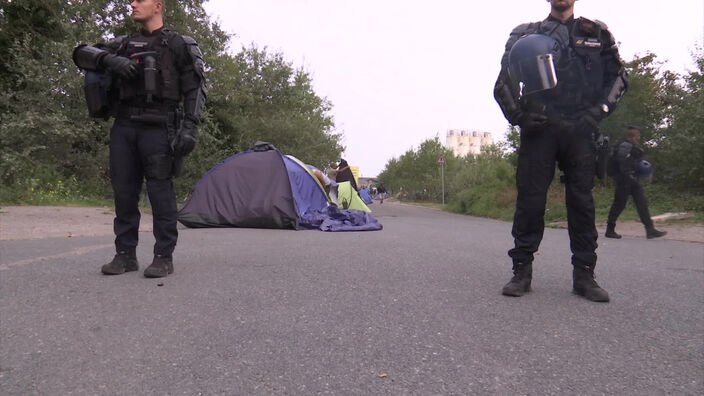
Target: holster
173, 125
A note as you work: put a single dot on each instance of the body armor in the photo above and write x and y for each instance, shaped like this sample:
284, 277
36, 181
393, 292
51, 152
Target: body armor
589, 72
163, 84
171, 69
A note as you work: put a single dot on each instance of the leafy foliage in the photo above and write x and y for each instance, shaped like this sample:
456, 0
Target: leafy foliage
47, 139
667, 108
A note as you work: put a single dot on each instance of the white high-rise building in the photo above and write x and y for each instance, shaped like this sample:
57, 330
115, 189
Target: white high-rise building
463, 142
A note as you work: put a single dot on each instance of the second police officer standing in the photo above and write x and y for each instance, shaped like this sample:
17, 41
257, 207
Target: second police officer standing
159, 93
559, 77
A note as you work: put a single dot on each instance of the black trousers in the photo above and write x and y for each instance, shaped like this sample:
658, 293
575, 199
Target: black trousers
626, 187
139, 151
574, 152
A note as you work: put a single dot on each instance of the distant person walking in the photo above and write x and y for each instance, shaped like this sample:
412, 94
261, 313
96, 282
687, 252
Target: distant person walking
381, 190
623, 168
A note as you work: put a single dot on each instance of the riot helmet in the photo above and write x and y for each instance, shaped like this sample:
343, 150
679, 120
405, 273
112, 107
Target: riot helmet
532, 61
644, 169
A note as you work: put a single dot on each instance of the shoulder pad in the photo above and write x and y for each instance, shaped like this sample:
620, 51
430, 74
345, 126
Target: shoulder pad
602, 24
114, 43
587, 21
525, 28
189, 40
119, 39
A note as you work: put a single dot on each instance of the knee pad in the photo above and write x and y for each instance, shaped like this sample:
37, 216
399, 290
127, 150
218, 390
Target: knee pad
159, 167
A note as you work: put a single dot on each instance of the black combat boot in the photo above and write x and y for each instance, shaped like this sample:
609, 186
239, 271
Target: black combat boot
121, 263
160, 267
651, 232
584, 285
611, 231
520, 283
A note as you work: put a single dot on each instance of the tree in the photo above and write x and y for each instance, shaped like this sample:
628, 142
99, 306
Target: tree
680, 150
417, 172
259, 96
648, 103
47, 139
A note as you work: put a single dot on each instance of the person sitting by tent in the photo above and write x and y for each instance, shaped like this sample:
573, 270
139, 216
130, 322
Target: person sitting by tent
331, 171
344, 173
330, 186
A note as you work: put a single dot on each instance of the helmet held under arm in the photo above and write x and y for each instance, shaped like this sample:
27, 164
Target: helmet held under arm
532, 61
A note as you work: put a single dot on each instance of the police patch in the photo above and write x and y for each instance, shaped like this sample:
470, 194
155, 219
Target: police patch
588, 43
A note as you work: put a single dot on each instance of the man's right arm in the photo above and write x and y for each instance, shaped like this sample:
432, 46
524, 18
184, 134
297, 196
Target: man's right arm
102, 57
507, 91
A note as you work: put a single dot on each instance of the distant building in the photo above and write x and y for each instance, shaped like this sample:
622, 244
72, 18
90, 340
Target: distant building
463, 142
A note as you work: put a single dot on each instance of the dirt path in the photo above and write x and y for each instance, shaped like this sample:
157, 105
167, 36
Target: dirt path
38, 222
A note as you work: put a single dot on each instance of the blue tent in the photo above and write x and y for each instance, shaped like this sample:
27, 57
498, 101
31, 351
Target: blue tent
260, 188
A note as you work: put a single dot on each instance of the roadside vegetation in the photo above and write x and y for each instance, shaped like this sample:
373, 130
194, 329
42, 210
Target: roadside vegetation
668, 109
51, 153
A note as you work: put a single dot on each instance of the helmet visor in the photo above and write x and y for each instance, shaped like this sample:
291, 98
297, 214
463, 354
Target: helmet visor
537, 74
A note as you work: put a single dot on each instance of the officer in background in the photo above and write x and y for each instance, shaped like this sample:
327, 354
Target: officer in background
627, 155
159, 96
559, 78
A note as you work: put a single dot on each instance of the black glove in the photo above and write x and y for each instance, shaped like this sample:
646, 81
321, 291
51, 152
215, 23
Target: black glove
186, 140
528, 120
588, 123
120, 65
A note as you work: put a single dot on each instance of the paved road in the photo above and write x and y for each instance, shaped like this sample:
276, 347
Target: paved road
414, 309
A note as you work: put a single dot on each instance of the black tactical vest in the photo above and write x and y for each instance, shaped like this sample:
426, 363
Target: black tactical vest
166, 84
580, 70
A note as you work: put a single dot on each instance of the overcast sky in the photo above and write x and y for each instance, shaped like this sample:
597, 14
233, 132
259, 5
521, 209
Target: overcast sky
401, 71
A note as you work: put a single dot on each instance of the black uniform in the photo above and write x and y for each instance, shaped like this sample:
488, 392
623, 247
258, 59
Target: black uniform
626, 156
154, 109
591, 80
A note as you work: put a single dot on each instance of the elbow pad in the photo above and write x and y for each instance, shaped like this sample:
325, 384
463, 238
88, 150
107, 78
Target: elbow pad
194, 104
193, 82
507, 101
87, 57
618, 89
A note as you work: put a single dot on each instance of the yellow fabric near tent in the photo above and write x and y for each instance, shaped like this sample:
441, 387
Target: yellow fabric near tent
355, 173
347, 198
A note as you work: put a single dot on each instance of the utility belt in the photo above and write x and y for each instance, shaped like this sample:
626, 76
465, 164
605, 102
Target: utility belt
169, 116
557, 115
152, 114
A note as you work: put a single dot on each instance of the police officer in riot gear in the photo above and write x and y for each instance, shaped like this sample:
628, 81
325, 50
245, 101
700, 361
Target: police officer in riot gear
559, 77
158, 98
626, 158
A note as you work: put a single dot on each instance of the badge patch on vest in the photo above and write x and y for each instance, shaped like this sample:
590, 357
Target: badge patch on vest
138, 44
588, 43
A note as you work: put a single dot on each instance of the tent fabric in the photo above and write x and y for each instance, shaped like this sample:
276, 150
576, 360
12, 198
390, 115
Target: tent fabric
307, 192
347, 198
260, 189
334, 219
309, 169
366, 196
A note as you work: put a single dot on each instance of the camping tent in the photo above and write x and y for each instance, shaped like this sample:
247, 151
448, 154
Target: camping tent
259, 188
348, 198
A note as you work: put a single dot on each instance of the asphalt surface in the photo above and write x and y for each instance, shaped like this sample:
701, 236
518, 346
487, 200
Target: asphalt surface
414, 309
